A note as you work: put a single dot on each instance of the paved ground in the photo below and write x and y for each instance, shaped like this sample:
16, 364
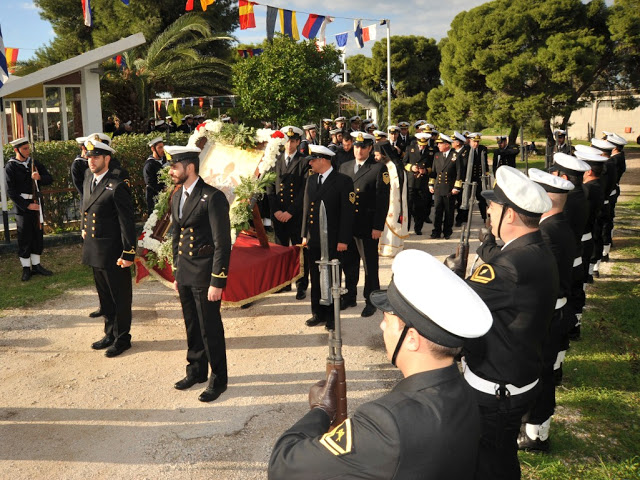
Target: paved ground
67, 411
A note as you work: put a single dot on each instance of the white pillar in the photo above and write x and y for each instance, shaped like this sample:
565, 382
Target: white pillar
90, 100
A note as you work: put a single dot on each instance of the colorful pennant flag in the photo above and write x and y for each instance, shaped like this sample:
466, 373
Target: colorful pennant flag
175, 105
252, 52
189, 6
4, 71
321, 35
205, 3
369, 33
341, 39
272, 14
288, 24
12, 58
311, 28
126, 2
247, 19
86, 11
357, 30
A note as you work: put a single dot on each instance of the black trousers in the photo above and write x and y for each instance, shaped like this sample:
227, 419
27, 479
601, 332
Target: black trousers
30, 236
443, 220
419, 204
351, 267
463, 215
205, 335
598, 240
289, 233
324, 312
501, 421
607, 223
115, 294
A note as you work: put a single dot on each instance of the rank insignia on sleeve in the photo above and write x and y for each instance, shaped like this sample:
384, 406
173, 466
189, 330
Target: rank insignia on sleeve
385, 178
352, 197
483, 274
338, 441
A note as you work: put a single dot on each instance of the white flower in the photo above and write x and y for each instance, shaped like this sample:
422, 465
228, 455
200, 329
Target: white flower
270, 154
263, 135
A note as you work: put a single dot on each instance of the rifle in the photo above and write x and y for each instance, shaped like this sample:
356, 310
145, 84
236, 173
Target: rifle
330, 292
464, 205
34, 183
487, 177
462, 251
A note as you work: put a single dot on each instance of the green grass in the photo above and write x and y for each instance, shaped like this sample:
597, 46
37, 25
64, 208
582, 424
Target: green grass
595, 433
64, 261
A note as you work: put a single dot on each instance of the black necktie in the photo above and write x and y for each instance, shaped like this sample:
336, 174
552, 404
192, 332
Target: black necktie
320, 179
93, 185
286, 162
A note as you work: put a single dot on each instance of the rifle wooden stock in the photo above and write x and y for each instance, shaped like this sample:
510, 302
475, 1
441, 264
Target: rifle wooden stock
341, 390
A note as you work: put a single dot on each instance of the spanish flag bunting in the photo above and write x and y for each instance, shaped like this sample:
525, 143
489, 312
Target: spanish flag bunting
288, 24
205, 3
12, 59
189, 6
247, 19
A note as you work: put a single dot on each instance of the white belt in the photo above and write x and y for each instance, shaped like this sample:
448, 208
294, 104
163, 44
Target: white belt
561, 302
586, 236
577, 262
606, 202
26, 196
485, 386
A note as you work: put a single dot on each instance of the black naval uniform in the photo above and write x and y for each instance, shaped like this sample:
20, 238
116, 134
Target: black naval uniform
595, 199
79, 167
338, 196
418, 196
287, 195
152, 167
479, 156
519, 284
463, 157
201, 251
558, 236
20, 189
564, 148
505, 156
371, 184
109, 226
611, 179
342, 156
427, 427
445, 176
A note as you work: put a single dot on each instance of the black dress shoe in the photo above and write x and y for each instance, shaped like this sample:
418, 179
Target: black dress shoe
313, 321
605, 258
40, 270
188, 382
301, 294
346, 303
115, 350
96, 314
330, 326
458, 224
447, 237
368, 310
418, 232
285, 289
428, 220
212, 393
435, 235
528, 444
104, 342
26, 274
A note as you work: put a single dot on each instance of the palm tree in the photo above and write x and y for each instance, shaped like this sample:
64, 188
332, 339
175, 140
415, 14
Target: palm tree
171, 63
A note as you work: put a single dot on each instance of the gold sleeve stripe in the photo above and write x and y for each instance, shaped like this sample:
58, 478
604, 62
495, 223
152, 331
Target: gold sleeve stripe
221, 275
132, 251
458, 183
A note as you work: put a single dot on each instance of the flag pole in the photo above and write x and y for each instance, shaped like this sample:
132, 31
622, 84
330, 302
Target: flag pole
388, 72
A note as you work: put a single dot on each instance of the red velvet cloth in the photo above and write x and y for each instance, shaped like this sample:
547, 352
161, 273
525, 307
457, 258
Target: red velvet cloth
253, 271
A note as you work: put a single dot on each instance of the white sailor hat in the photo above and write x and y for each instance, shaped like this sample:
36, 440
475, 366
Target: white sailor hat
311, 126
559, 133
589, 154
569, 164
403, 124
159, 122
379, 134
291, 132
466, 133
372, 125
335, 131
95, 147
603, 145
177, 153
100, 137
393, 129
431, 314
355, 118
341, 119
419, 123
458, 136
127, 123
327, 120
320, 151
362, 139
442, 138
168, 117
614, 138
81, 140
367, 121
18, 142
551, 183
477, 136
155, 140
423, 138
515, 189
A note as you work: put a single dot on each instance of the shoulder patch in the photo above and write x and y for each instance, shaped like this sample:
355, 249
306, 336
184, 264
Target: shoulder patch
483, 274
339, 441
352, 197
385, 178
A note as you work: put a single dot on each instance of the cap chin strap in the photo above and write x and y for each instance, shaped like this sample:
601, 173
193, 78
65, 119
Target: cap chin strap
504, 209
398, 345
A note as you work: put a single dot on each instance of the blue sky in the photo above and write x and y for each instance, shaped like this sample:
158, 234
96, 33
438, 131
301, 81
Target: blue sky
22, 27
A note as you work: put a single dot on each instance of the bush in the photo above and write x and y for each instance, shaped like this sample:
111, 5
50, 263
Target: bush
59, 197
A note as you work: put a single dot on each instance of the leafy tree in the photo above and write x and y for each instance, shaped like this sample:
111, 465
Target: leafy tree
290, 82
361, 68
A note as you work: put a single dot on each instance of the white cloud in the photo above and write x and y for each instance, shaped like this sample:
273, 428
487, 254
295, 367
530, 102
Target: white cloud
28, 6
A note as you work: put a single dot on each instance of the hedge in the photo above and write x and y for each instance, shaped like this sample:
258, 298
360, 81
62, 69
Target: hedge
59, 197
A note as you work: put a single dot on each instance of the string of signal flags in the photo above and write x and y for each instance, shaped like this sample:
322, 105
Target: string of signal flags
314, 27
